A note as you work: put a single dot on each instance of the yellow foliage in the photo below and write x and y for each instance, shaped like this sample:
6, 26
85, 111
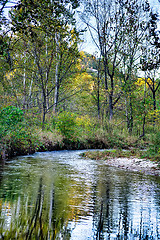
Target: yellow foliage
82, 54
78, 66
84, 121
141, 81
20, 10
73, 36
83, 78
154, 114
91, 87
10, 75
86, 77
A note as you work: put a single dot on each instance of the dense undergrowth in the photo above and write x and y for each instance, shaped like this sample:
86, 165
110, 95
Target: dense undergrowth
22, 134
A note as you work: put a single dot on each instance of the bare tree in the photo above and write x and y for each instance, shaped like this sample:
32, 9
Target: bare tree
104, 20
117, 28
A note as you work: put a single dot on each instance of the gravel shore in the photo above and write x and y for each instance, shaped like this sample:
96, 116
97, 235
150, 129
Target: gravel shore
135, 164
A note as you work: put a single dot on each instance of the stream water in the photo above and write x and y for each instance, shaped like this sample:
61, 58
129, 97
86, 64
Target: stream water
60, 195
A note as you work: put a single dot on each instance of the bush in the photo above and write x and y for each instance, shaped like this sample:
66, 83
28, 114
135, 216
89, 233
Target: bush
84, 124
10, 117
156, 142
16, 136
66, 124
72, 126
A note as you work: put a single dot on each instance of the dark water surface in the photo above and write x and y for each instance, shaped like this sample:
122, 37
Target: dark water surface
60, 195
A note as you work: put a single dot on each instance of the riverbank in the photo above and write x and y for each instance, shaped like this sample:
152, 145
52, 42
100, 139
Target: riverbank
136, 165
35, 140
42, 141
48, 143
127, 161
23, 134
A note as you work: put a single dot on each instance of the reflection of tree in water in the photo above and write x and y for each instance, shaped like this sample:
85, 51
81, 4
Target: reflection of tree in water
2, 162
46, 225
37, 217
105, 216
51, 207
114, 220
42, 223
40, 209
124, 220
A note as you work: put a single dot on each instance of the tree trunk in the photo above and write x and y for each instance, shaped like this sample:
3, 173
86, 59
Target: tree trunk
30, 92
154, 106
144, 106
56, 77
111, 98
56, 89
24, 84
44, 108
110, 106
154, 100
105, 80
130, 126
129, 114
98, 90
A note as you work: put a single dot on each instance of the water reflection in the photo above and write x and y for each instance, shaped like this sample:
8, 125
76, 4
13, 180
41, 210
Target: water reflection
59, 195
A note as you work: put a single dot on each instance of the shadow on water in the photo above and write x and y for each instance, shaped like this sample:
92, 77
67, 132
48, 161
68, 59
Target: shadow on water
40, 200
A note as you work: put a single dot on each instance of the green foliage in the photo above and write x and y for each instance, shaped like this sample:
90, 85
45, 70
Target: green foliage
85, 125
156, 143
115, 153
16, 136
73, 126
66, 124
42, 13
10, 116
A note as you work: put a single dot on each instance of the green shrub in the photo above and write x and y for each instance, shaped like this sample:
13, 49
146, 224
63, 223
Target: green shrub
15, 134
156, 142
66, 124
10, 117
84, 125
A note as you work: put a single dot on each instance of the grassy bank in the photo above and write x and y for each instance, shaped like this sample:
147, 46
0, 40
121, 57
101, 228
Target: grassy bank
148, 149
22, 134
119, 153
29, 140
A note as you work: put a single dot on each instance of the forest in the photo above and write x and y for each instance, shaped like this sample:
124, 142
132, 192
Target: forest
55, 96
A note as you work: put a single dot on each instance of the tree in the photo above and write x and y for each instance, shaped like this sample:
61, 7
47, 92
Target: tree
2, 6
134, 32
118, 29
48, 32
150, 60
107, 30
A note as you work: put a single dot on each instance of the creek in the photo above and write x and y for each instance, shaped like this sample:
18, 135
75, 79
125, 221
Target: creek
61, 195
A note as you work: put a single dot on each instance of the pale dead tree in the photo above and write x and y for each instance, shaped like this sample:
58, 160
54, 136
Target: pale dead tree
56, 74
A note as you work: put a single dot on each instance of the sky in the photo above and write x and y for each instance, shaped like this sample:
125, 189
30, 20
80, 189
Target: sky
88, 44
90, 47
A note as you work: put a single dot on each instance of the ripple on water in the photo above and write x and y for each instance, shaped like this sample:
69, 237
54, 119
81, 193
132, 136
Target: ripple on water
79, 198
